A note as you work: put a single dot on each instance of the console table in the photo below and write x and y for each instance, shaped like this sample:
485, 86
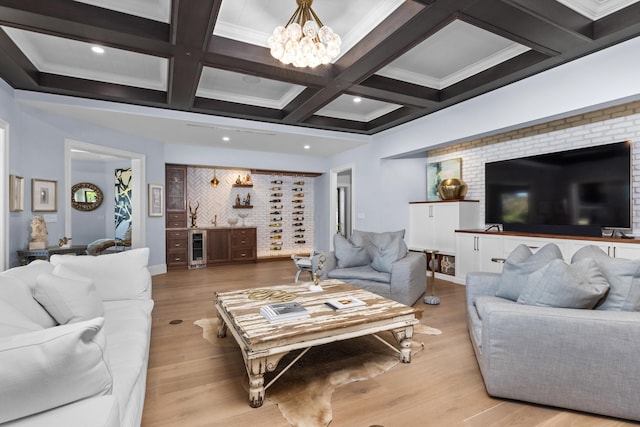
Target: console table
25, 256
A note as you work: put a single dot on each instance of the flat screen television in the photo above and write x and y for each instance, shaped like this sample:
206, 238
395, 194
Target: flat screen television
576, 192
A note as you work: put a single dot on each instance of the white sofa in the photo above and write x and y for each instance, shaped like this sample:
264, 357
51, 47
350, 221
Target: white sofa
74, 341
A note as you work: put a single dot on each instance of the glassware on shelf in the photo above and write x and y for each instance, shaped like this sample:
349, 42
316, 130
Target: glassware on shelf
243, 215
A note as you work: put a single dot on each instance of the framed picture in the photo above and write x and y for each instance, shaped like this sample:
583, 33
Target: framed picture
44, 195
438, 172
156, 200
16, 193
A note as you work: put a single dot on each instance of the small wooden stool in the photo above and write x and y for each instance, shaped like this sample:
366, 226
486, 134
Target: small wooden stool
432, 258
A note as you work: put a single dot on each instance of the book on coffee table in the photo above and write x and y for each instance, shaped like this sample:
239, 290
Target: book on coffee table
283, 311
345, 302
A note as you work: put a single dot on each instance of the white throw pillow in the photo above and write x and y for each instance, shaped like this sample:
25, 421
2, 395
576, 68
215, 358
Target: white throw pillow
119, 276
68, 300
19, 294
13, 322
52, 367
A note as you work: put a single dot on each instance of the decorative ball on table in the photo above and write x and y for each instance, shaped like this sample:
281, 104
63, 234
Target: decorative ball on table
452, 189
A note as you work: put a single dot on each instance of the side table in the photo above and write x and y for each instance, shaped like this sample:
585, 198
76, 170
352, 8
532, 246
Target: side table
25, 256
432, 260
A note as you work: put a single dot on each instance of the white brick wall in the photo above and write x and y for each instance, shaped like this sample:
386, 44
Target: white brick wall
598, 133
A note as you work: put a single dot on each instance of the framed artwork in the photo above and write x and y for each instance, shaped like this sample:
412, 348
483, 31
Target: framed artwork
44, 195
438, 172
156, 200
16, 193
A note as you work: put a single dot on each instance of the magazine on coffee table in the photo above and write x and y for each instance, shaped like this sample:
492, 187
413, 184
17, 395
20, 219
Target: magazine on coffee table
283, 311
345, 302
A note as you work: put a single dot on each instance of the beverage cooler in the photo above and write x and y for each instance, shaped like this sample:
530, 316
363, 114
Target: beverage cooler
197, 248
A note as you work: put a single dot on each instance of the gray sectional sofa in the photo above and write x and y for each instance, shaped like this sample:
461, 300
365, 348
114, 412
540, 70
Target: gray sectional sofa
379, 263
565, 335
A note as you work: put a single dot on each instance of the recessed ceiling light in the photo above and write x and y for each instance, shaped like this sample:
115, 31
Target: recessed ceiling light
226, 139
306, 147
97, 49
357, 100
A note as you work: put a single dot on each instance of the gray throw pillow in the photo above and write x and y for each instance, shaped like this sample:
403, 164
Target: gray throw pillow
372, 241
349, 255
623, 276
389, 250
520, 264
579, 285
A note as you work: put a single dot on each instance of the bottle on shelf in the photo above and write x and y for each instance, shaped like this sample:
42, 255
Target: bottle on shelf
276, 213
277, 206
297, 224
298, 183
275, 201
276, 188
298, 212
275, 224
298, 195
299, 207
276, 181
276, 194
276, 248
300, 230
297, 201
300, 241
297, 189
299, 218
277, 218
276, 237
297, 236
278, 231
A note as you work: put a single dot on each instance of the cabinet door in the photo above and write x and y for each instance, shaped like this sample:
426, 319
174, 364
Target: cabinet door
420, 233
218, 249
489, 250
626, 250
445, 219
465, 254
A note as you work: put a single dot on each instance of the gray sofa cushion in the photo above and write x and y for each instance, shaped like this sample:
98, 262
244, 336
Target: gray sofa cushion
390, 248
520, 264
362, 273
348, 254
579, 285
623, 276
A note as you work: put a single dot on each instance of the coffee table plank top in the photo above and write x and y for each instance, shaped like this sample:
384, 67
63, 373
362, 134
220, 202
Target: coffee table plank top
257, 332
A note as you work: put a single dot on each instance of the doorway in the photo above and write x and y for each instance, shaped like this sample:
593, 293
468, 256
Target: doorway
137, 164
342, 202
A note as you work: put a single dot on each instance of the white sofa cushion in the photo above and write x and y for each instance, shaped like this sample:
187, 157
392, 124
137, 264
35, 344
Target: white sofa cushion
97, 411
52, 367
68, 300
119, 276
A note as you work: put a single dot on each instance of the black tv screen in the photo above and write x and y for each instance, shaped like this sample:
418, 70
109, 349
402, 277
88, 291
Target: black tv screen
583, 187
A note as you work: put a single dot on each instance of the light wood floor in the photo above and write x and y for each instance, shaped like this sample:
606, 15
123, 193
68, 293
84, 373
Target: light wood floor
193, 383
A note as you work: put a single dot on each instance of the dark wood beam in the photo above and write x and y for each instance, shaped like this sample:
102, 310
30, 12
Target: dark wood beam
395, 91
558, 15
65, 85
331, 123
87, 23
15, 67
192, 25
232, 109
625, 21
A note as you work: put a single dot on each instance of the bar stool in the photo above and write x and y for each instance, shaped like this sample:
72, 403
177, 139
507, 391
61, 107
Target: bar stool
432, 261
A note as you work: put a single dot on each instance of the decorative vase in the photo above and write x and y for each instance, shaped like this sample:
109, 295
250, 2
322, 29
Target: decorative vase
452, 189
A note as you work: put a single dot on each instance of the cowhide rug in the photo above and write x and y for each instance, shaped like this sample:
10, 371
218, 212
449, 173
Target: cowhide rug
303, 393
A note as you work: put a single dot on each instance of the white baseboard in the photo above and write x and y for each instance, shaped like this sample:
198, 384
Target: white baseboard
157, 269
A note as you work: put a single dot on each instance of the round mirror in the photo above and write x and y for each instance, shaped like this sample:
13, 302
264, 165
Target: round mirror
86, 196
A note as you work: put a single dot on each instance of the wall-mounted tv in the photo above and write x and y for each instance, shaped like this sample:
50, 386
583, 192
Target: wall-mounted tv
582, 189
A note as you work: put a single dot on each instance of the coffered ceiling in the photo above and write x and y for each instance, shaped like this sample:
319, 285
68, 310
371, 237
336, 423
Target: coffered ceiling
400, 60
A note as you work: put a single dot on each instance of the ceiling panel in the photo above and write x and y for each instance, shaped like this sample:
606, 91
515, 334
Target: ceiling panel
246, 89
356, 108
596, 9
67, 57
458, 51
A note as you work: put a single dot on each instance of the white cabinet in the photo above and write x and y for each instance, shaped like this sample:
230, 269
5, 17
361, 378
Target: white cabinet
432, 225
478, 252
613, 249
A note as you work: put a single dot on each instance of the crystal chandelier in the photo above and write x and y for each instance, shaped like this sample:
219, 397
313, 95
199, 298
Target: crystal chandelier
305, 41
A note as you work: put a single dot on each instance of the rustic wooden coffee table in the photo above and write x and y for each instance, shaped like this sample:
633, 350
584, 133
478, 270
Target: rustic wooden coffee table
264, 344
